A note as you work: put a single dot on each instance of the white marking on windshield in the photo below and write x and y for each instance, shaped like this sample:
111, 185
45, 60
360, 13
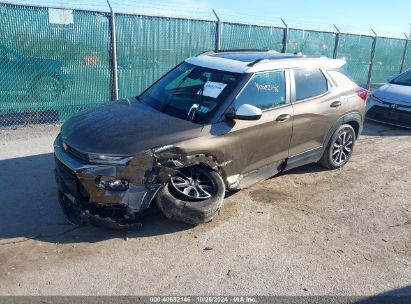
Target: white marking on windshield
212, 89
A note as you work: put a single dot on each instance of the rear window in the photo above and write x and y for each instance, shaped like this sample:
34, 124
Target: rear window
309, 83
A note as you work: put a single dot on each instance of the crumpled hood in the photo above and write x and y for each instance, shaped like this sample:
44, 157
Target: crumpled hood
125, 128
394, 92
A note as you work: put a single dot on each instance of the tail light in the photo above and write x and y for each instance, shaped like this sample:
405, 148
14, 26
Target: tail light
362, 93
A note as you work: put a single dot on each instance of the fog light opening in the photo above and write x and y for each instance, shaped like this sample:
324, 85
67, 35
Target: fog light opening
111, 183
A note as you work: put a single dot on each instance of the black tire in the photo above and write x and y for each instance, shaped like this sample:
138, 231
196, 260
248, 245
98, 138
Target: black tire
195, 212
332, 159
47, 88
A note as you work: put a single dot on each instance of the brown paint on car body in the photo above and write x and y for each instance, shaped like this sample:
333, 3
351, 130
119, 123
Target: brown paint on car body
242, 151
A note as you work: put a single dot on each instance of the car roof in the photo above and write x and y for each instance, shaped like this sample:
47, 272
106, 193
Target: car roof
258, 61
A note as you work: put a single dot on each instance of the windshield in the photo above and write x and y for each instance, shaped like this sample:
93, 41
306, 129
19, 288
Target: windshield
403, 79
190, 92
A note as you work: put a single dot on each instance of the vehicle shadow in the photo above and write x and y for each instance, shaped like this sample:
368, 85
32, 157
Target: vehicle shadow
378, 129
29, 208
397, 296
310, 168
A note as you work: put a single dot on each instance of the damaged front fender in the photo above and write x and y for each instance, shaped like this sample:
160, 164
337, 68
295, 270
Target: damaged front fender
145, 173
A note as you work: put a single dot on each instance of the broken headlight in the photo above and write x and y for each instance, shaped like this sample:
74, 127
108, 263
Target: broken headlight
111, 183
108, 159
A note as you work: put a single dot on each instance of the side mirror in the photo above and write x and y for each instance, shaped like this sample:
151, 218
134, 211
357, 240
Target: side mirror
246, 112
391, 78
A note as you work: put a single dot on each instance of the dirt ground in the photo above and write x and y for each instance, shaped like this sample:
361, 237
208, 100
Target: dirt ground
305, 232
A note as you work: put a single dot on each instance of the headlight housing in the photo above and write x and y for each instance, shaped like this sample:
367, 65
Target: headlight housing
109, 159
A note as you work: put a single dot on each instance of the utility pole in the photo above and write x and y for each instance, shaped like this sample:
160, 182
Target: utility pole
374, 43
285, 37
113, 53
218, 33
404, 54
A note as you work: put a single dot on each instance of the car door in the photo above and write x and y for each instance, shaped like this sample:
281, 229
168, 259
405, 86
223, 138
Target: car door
256, 149
317, 105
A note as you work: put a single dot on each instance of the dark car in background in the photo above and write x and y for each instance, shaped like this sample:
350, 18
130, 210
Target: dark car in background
391, 103
43, 80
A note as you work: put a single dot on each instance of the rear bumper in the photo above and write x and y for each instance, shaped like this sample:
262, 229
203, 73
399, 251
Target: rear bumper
82, 199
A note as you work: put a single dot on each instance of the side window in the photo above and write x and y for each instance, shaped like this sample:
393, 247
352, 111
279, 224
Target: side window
264, 90
309, 83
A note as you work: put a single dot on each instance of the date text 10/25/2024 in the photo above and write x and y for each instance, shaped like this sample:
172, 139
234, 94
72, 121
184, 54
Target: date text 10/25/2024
203, 299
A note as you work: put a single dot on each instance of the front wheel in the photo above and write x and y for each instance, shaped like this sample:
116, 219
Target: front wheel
194, 195
340, 148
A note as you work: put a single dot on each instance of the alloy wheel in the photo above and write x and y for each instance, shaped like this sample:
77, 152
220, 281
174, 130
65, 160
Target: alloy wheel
193, 184
342, 147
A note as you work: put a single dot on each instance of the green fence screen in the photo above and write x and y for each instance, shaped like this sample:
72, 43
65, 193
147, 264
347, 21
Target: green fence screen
50, 70
147, 47
407, 59
311, 43
241, 36
356, 50
55, 62
387, 60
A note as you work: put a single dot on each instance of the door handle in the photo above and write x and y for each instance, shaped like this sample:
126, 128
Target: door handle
283, 117
335, 104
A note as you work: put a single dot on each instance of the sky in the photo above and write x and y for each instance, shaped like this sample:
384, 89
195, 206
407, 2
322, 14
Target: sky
387, 18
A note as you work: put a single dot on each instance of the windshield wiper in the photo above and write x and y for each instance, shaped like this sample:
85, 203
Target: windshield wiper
200, 98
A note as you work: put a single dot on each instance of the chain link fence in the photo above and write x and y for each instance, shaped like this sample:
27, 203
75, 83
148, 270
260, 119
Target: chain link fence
55, 62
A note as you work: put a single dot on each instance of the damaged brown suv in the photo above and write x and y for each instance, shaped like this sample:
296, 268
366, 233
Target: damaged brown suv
216, 122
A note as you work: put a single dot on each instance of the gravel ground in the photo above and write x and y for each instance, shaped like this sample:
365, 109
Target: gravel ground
306, 232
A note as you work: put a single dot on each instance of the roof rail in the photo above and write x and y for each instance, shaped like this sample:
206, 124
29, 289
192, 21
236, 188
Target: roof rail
257, 61
262, 60
236, 50
206, 53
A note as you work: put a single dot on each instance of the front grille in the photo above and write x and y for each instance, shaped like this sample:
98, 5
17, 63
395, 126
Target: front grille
397, 117
69, 176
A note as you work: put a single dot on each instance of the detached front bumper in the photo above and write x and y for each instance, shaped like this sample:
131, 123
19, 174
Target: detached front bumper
83, 200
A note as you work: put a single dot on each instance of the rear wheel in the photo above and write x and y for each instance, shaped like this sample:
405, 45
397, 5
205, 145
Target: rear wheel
194, 195
340, 148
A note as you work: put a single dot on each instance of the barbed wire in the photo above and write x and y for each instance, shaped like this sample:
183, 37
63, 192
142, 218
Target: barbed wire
185, 9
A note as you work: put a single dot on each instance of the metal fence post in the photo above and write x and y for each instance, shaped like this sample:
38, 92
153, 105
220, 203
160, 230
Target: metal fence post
374, 43
404, 55
285, 37
337, 42
113, 53
217, 46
